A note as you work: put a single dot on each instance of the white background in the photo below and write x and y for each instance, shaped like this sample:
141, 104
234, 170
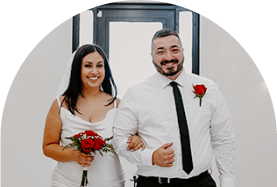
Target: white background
222, 59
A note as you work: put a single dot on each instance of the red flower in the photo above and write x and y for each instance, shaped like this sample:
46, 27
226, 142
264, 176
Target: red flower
90, 133
99, 143
199, 91
77, 135
89, 141
87, 145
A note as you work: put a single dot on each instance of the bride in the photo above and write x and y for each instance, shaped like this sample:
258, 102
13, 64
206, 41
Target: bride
88, 103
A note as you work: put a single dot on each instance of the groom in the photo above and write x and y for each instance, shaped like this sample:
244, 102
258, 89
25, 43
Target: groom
182, 119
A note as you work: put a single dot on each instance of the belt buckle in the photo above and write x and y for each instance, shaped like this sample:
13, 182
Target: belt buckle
161, 181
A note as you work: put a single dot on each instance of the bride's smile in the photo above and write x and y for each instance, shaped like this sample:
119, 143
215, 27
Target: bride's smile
92, 71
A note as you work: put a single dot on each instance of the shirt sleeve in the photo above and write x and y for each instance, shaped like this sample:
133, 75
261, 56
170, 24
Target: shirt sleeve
126, 124
223, 141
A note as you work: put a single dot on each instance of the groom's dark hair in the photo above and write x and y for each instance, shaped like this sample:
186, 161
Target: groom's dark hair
163, 33
74, 88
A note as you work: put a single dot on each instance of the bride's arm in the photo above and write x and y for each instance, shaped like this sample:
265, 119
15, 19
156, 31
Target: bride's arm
51, 141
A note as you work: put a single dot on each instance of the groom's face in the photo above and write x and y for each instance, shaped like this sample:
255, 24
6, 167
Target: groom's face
167, 54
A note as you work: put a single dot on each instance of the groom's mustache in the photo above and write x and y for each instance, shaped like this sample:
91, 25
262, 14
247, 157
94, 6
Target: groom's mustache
175, 61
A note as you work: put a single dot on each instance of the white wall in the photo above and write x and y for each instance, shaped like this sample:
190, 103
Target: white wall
222, 60
30, 97
226, 62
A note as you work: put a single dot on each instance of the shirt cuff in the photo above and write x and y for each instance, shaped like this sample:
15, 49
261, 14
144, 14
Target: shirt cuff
146, 157
227, 182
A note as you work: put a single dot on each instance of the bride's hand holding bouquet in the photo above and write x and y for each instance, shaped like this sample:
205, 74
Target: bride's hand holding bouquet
84, 159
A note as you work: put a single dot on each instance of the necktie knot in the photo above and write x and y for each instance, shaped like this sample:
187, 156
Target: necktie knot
173, 84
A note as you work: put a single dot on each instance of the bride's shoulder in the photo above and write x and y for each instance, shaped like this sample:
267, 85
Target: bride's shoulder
56, 104
108, 97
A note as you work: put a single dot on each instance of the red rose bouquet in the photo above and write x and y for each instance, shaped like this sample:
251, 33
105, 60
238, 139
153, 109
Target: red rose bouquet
199, 91
89, 142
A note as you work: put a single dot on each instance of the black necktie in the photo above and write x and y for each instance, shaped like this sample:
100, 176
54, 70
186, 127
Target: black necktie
184, 133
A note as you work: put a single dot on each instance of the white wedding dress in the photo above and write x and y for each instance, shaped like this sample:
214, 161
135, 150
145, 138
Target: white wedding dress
105, 171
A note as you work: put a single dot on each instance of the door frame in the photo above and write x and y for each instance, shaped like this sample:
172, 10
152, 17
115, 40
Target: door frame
143, 7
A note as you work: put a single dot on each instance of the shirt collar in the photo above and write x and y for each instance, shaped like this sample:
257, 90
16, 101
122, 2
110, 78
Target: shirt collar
163, 81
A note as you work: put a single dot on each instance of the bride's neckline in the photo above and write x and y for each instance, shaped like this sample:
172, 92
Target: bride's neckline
86, 120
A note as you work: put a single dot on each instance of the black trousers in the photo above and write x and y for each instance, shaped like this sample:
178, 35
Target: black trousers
205, 181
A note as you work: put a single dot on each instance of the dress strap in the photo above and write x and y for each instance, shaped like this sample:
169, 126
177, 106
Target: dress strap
114, 103
59, 102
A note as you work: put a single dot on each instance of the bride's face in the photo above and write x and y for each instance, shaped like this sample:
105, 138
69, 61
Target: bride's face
92, 70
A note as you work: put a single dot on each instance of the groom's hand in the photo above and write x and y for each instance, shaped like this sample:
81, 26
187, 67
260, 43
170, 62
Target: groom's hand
164, 156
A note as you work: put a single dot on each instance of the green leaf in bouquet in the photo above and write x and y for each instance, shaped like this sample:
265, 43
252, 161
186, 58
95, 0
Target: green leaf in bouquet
67, 146
74, 144
108, 139
111, 148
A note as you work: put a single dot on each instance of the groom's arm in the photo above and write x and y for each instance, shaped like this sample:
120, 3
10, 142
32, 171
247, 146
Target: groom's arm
223, 141
139, 157
125, 124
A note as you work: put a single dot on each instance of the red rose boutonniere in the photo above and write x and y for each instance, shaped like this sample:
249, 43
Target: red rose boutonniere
199, 91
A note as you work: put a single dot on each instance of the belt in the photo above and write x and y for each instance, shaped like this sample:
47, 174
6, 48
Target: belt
164, 180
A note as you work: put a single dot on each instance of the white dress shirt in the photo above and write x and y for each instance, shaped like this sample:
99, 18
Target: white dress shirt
148, 108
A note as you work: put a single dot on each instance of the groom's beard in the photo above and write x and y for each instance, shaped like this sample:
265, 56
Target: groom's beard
169, 71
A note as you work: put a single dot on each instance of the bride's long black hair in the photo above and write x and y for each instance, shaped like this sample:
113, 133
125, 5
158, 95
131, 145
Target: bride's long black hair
74, 88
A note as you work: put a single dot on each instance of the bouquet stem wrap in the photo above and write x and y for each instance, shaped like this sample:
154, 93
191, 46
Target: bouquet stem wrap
84, 182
